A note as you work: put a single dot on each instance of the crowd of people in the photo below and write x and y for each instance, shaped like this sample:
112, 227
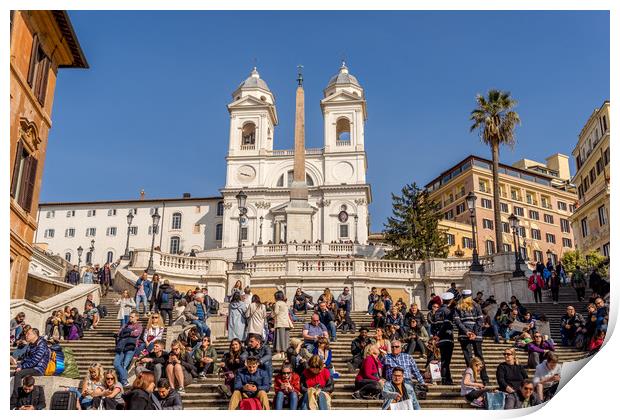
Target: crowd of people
304, 374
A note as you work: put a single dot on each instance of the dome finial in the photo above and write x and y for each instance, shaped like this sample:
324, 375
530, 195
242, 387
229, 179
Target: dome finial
343, 68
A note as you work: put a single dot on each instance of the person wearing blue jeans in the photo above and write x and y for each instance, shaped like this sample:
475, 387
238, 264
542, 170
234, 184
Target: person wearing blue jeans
318, 377
127, 338
321, 400
196, 312
327, 318
286, 386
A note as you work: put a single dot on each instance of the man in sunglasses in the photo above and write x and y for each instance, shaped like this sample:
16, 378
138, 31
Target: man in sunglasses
402, 360
524, 397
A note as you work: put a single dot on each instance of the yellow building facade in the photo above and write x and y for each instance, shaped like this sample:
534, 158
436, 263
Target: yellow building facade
590, 221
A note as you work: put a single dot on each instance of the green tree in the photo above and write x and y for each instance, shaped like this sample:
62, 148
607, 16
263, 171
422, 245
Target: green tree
586, 261
413, 229
495, 121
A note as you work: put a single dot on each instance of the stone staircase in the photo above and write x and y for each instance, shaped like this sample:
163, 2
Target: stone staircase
98, 346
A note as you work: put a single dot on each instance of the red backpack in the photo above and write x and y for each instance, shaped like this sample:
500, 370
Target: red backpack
250, 404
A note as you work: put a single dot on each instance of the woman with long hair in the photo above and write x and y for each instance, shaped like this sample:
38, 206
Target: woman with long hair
74, 324
326, 297
324, 352
386, 299
126, 304
282, 324
140, 396
316, 385
382, 342
255, 314
180, 368
231, 362
154, 331
471, 386
237, 288
416, 337
109, 396
469, 320
379, 313
236, 318
369, 382
92, 382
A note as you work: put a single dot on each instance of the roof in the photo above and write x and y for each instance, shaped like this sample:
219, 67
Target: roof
66, 28
135, 201
343, 77
254, 81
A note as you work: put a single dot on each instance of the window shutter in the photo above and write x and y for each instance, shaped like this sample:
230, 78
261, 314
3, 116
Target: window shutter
43, 75
30, 181
33, 60
18, 157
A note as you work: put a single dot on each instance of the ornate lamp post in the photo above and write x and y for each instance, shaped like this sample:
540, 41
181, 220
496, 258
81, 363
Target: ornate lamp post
355, 219
79, 251
471, 205
129, 221
514, 224
156, 218
260, 231
241, 198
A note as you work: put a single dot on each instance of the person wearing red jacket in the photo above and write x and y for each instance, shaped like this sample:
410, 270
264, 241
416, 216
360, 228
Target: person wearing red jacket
317, 376
535, 284
368, 382
286, 385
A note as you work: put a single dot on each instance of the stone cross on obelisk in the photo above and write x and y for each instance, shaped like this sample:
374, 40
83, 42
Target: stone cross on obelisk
299, 212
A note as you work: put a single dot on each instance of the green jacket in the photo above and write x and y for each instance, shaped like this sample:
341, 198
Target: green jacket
210, 351
578, 279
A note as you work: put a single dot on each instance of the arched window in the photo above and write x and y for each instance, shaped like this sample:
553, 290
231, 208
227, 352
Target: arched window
109, 257
343, 129
289, 180
220, 208
175, 244
89, 257
68, 256
248, 134
176, 221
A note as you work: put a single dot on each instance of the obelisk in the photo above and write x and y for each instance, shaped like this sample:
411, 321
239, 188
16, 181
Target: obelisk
299, 212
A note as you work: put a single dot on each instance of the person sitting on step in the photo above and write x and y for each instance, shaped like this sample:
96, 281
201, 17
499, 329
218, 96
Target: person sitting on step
205, 358
250, 382
287, 388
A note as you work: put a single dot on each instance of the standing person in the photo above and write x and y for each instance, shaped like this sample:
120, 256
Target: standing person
126, 305
471, 388
316, 385
73, 276
87, 278
469, 319
282, 324
578, 281
110, 395
180, 369
236, 318
256, 314
196, 312
536, 284
443, 324
34, 361
142, 292
140, 396
105, 278
286, 386
510, 373
369, 382
126, 341
386, 299
28, 396
154, 292
166, 296
373, 298
554, 284
237, 288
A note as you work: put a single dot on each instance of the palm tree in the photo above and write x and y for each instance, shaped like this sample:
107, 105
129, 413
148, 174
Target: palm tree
495, 121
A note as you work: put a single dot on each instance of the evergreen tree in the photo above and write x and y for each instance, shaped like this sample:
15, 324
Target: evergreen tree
413, 230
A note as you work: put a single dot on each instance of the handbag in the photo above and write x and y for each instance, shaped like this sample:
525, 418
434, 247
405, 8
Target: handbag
435, 369
495, 400
402, 405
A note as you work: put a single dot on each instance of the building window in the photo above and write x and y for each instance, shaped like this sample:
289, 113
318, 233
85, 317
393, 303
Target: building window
109, 257
71, 213
600, 166
218, 232
248, 134
467, 242
584, 227
487, 224
449, 215
196, 229
450, 239
343, 129
112, 212
505, 227
176, 221
24, 177
483, 185
571, 208
49, 233
565, 225
606, 249
38, 71
503, 207
518, 211
490, 247
91, 213
111, 231
548, 218
91, 231
567, 243
529, 197
133, 230
592, 175
507, 247
486, 203
522, 231
50, 214
344, 231
89, 257
550, 238
536, 234
545, 202
534, 215
151, 230
220, 208
515, 194
460, 208
602, 216
244, 233
69, 233
562, 206
68, 256
606, 156
175, 243
538, 256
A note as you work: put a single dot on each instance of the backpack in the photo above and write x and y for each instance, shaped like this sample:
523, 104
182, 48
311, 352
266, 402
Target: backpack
214, 306
103, 311
250, 404
165, 297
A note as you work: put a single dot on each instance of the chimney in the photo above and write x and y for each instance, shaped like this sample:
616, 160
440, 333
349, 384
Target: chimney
187, 195
142, 194
559, 162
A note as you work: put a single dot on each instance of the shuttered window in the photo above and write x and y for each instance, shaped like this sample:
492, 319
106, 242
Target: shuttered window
24, 177
38, 71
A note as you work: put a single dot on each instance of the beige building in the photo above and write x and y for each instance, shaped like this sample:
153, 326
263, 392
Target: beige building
538, 194
455, 232
590, 221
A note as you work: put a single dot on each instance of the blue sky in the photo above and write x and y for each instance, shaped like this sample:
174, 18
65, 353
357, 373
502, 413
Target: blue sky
151, 111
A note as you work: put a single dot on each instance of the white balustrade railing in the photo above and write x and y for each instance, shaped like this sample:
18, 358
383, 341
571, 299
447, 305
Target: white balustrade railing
325, 265
340, 247
266, 267
390, 267
177, 262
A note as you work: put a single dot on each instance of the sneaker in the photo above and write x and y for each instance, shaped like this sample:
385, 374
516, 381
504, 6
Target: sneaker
477, 404
224, 390
125, 384
356, 396
181, 390
202, 376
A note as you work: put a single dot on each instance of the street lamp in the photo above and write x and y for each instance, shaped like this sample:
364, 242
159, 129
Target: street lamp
156, 218
471, 205
260, 231
514, 224
129, 221
241, 198
79, 251
355, 219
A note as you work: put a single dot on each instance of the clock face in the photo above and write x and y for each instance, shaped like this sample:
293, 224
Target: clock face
246, 174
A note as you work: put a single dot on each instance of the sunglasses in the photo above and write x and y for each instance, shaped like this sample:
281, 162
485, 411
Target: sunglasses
286, 373
507, 354
109, 379
395, 347
528, 388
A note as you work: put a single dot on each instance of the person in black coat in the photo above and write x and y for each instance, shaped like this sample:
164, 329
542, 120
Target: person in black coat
140, 396
510, 374
523, 397
28, 396
169, 398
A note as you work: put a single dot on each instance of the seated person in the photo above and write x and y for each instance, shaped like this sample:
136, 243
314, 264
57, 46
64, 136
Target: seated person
312, 331
110, 395
472, 387
402, 360
297, 355
205, 358
523, 397
190, 337
169, 398
324, 352
394, 318
287, 388
510, 374
523, 340
416, 337
28, 396
316, 385
250, 382
257, 348
397, 390
537, 349
89, 385
35, 359
571, 325
368, 382
91, 316
344, 321
180, 369
156, 361
547, 377
358, 345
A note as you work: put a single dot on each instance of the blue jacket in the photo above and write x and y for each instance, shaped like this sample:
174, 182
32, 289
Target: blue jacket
259, 378
37, 356
148, 287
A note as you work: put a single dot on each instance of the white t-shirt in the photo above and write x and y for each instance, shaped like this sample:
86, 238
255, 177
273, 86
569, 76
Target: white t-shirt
543, 373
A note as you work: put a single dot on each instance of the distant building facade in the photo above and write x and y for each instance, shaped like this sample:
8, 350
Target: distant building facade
42, 42
538, 194
590, 221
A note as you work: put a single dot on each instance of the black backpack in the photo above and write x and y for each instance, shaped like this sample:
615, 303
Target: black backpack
63, 400
214, 306
103, 311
